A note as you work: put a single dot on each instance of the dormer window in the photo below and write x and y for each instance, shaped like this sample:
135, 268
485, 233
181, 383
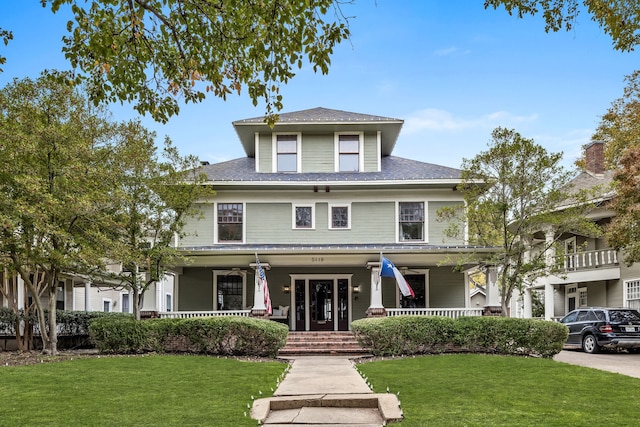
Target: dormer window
348, 152
286, 152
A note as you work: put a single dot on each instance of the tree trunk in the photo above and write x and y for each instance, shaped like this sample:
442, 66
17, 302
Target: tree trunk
137, 302
53, 325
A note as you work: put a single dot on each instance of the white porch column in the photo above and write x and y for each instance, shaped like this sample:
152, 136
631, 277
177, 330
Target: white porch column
548, 301
259, 308
21, 291
376, 309
492, 291
87, 296
528, 306
549, 237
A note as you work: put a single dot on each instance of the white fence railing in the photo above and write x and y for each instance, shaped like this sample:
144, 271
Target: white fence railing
190, 314
453, 313
590, 259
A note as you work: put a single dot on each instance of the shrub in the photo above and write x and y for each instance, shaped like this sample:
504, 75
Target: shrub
226, 335
406, 335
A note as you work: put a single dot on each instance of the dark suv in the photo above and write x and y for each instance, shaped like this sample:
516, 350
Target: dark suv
594, 328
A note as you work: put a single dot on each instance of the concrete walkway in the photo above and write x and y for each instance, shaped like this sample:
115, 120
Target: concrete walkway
323, 391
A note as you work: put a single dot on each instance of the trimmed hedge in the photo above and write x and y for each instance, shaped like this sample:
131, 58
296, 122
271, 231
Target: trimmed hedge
227, 335
74, 323
408, 335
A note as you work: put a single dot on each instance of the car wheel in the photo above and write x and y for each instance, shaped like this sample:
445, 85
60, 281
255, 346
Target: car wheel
590, 345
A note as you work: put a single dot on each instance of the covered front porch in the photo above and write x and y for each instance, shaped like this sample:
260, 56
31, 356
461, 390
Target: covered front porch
321, 289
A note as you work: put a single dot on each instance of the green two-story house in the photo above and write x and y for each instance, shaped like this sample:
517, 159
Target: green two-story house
318, 198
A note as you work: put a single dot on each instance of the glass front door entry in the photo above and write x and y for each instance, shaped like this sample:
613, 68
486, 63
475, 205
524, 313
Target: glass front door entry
321, 304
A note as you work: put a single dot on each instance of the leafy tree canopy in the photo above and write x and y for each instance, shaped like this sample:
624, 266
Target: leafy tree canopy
155, 53
517, 193
619, 19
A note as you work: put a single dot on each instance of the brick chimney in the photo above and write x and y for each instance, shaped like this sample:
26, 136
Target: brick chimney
594, 155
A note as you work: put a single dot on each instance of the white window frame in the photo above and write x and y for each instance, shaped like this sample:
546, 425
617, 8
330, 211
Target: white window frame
415, 272
582, 293
241, 273
570, 250
244, 223
425, 231
122, 295
313, 215
168, 297
631, 296
339, 205
108, 301
274, 150
336, 145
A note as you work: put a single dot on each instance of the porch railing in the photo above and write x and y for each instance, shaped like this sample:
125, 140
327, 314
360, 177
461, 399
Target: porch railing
453, 313
190, 314
589, 260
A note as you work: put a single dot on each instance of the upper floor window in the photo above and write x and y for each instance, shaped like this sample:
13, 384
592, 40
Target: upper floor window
230, 222
339, 217
349, 153
411, 221
287, 153
303, 217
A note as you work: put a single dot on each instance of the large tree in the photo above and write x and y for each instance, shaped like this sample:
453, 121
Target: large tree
155, 194
516, 193
624, 230
619, 19
55, 189
155, 53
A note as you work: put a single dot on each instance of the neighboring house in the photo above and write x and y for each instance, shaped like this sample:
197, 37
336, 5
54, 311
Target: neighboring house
318, 198
81, 294
593, 274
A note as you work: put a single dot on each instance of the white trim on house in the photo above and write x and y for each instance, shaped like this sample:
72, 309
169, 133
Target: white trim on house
330, 214
274, 151
108, 304
215, 222
308, 277
294, 207
631, 293
224, 273
336, 150
256, 150
425, 227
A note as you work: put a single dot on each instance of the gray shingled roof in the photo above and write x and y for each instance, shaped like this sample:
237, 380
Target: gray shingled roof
393, 169
586, 181
321, 115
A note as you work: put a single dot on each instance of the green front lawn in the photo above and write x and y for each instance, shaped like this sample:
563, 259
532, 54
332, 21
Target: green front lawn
480, 390
135, 391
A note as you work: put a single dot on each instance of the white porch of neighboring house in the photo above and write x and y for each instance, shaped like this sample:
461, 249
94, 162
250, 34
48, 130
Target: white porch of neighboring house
584, 280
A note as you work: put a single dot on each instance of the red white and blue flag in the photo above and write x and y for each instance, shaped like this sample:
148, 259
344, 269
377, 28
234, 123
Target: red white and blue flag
387, 269
263, 282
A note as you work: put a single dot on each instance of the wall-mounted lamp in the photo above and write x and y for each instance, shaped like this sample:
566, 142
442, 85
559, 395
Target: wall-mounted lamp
356, 289
286, 289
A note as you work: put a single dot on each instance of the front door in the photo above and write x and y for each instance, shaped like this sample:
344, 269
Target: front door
321, 304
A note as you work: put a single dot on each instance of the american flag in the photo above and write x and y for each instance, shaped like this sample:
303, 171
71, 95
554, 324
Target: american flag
263, 281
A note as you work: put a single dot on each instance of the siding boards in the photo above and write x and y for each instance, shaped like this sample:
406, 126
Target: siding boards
371, 222
317, 153
199, 231
195, 292
370, 152
446, 288
436, 228
265, 154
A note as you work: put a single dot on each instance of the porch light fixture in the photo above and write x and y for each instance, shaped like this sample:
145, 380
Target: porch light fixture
286, 289
356, 289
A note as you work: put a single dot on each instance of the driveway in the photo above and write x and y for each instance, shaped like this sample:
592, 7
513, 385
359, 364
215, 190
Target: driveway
621, 363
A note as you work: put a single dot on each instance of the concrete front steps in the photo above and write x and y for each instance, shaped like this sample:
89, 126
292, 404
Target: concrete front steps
321, 344
357, 410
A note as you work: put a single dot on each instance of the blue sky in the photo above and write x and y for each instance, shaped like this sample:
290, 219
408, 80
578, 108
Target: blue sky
451, 70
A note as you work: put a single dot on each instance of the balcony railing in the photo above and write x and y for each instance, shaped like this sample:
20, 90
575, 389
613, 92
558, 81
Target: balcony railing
190, 314
589, 260
453, 313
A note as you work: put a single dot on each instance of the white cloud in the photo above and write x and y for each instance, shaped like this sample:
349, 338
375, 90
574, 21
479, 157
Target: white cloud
433, 119
451, 51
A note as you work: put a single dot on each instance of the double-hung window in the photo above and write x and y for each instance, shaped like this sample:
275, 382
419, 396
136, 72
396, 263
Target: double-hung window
411, 221
303, 217
230, 220
349, 153
632, 294
287, 153
339, 217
